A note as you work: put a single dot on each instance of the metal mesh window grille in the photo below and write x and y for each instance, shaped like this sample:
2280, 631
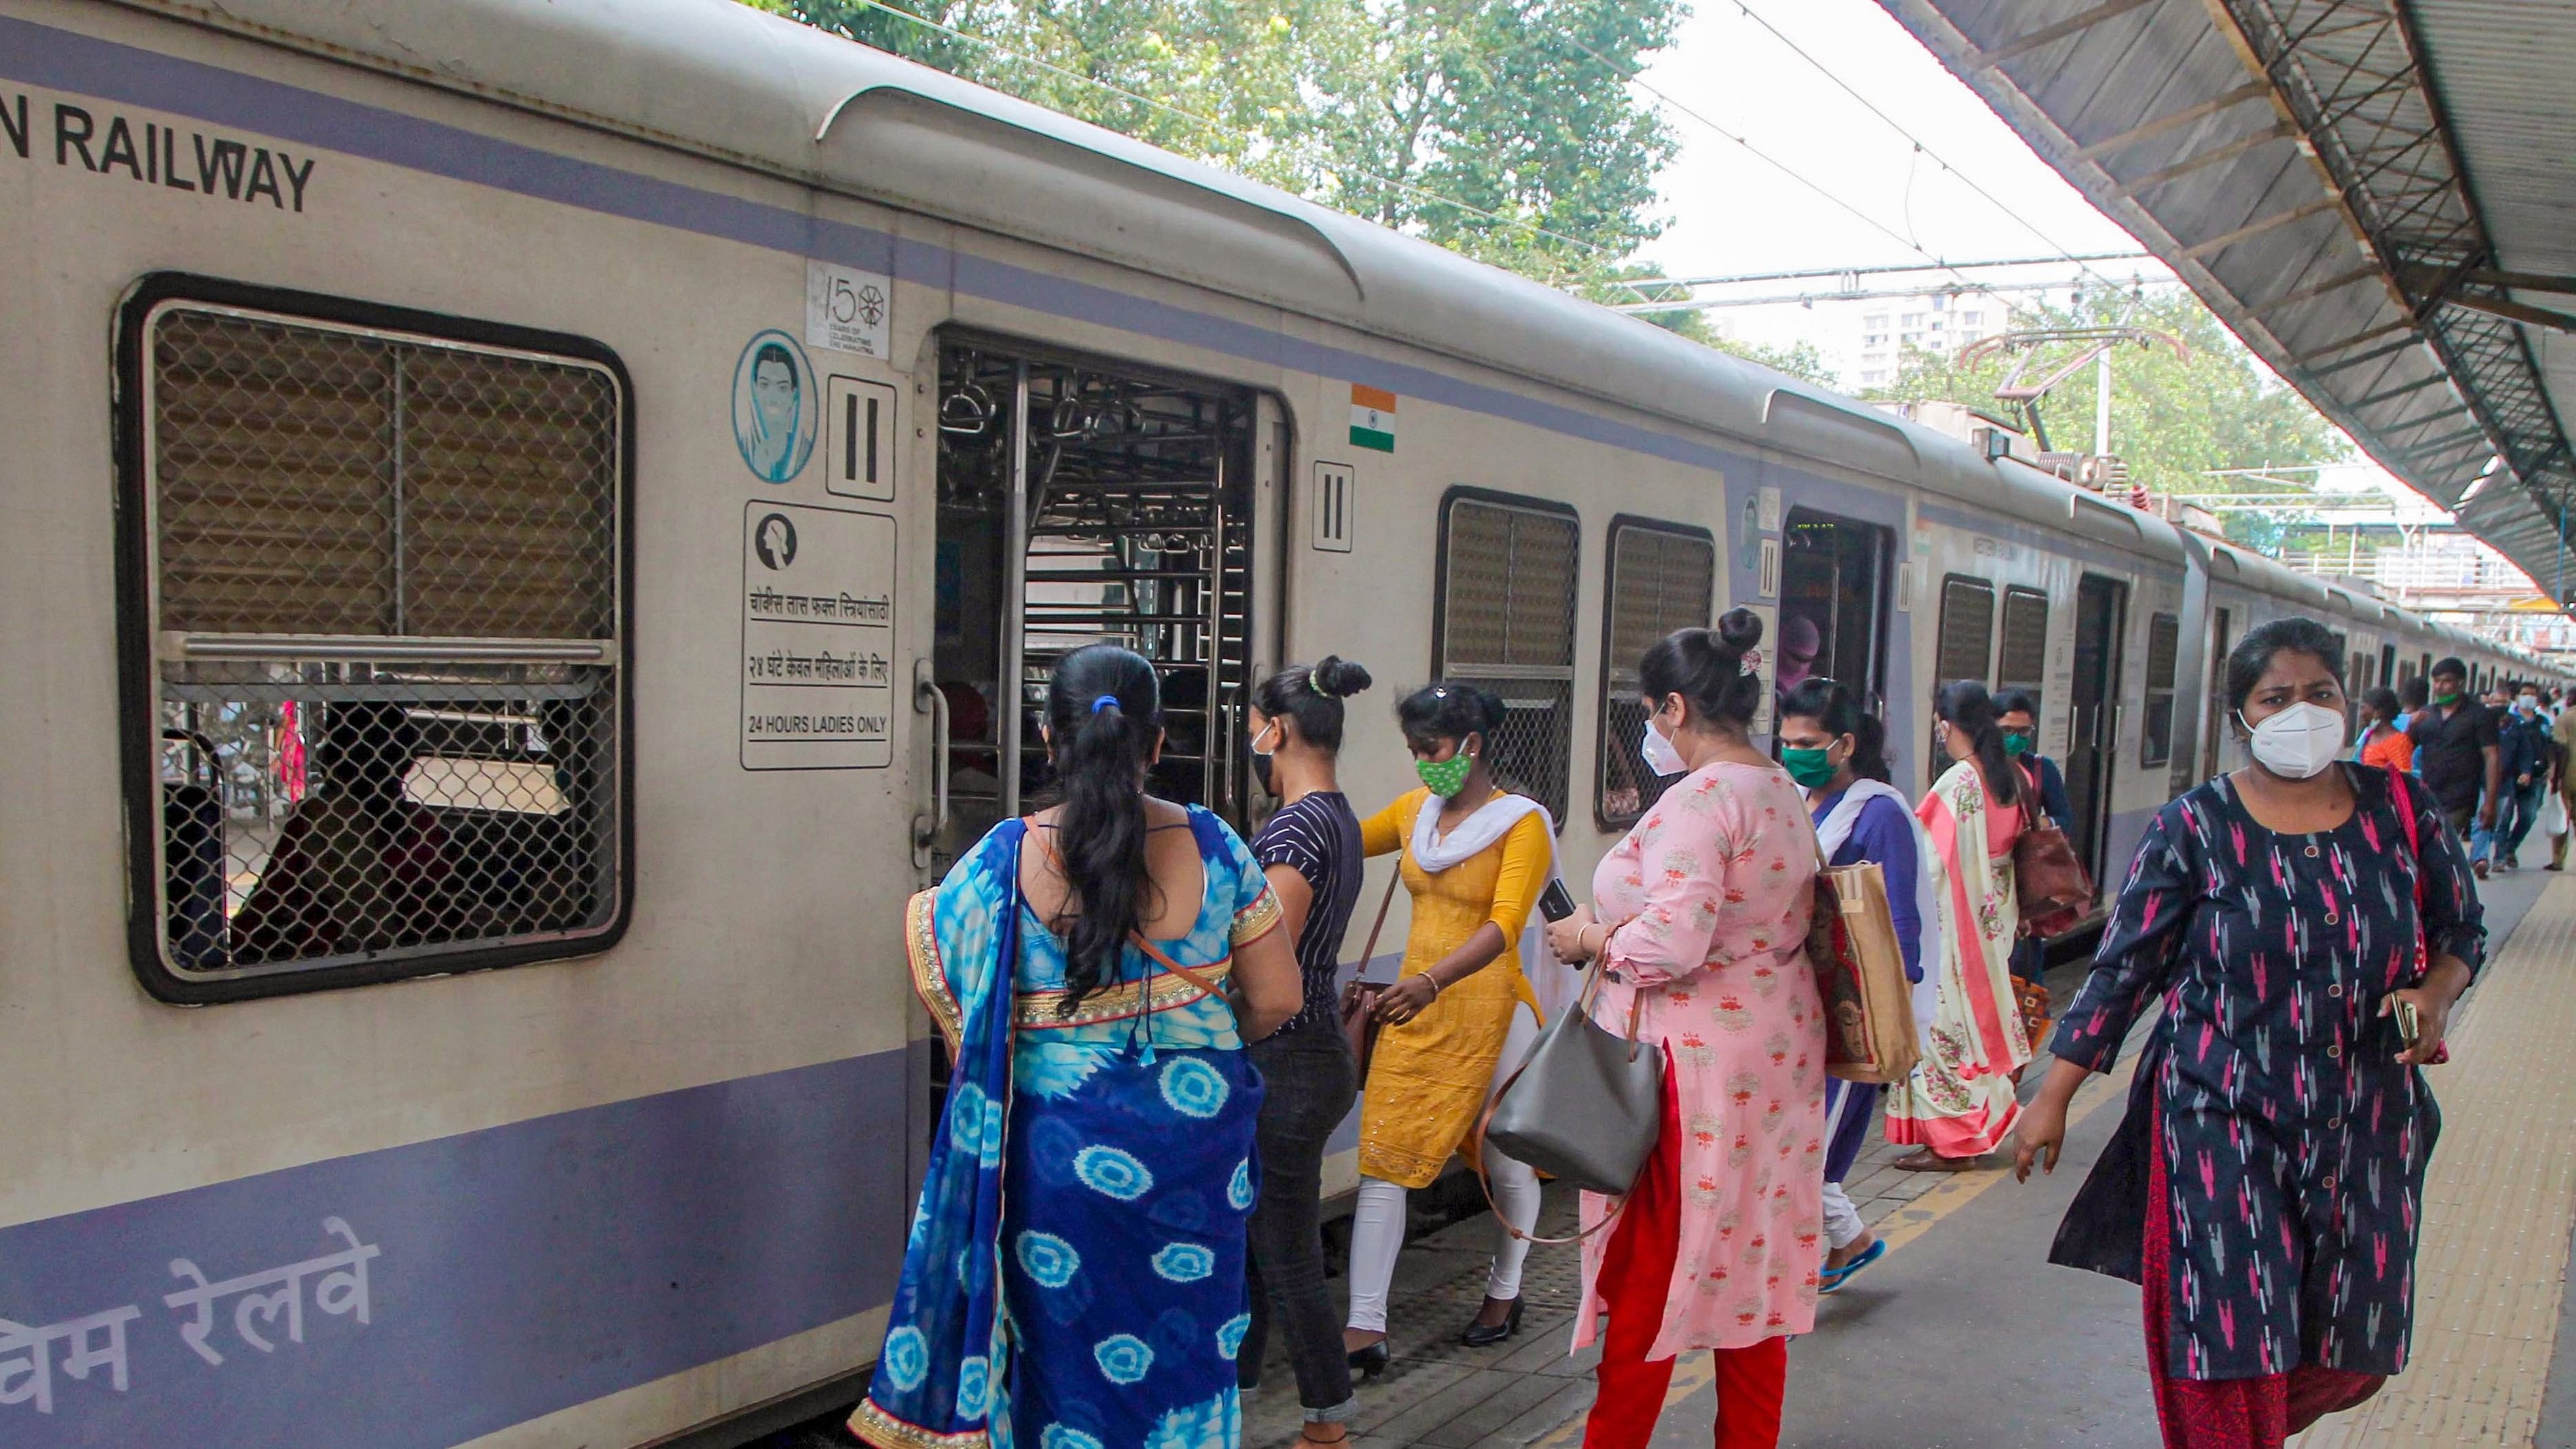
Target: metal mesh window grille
2164, 646
1967, 630
1507, 622
384, 574
2024, 661
1660, 580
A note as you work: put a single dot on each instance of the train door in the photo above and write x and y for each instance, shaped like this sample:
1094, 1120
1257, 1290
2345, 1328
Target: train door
1083, 500
2101, 619
1833, 596
2213, 711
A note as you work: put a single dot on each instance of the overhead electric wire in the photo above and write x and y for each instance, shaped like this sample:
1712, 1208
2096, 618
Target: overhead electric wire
1240, 134
1920, 147
1637, 79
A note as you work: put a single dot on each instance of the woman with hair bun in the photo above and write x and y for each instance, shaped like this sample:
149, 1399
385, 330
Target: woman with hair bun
1837, 752
1076, 1265
1959, 1104
1699, 918
1310, 848
1474, 857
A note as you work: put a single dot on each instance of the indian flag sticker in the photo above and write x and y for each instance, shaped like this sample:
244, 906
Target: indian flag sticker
1372, 418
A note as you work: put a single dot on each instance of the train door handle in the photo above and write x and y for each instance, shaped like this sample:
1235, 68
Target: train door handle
927, 698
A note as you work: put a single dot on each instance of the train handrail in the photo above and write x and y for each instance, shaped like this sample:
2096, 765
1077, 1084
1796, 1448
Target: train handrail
382, 649
926, 695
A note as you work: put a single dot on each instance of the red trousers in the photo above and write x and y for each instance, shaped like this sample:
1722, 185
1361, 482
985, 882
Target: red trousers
1636, 1281
2257, 1413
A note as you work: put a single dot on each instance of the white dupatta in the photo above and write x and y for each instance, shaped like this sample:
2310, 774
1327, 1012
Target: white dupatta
1831, 835
1493, 820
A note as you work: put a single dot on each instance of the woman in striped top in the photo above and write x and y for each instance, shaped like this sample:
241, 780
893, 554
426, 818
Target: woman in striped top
1310, 851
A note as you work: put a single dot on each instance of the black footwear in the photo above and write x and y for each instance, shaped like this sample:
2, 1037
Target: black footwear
1371, 1361
1482, 1335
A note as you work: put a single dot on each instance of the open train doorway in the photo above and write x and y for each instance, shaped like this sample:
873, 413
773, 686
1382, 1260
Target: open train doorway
2101, 620
1083, 500
1833, 603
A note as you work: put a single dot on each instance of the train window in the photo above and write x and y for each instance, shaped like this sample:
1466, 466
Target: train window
2164, 648
2023, 664
1662, 577
1967, 630
1506, 622
379, 626
1831, 581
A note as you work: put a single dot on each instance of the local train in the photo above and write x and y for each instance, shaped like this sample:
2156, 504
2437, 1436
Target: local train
535, 529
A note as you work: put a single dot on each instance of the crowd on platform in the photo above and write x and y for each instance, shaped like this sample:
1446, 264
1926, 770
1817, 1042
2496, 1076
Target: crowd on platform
1152, 1041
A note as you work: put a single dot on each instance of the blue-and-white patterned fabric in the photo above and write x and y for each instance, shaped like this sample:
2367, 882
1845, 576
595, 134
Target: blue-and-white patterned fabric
1097, 1167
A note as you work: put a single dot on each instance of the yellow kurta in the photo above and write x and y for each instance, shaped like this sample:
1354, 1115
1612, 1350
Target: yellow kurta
1430, 1075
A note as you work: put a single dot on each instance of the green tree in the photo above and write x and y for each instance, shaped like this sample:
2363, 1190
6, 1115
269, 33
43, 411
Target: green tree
2172, 421
1505, 131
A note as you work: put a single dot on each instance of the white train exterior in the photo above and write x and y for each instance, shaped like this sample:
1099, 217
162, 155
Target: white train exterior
628, 1154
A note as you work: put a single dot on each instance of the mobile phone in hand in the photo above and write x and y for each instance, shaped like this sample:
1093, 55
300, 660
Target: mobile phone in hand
1556, 902
2410, 1024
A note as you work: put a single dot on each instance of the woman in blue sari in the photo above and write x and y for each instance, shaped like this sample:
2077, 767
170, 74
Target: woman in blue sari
1075, 1274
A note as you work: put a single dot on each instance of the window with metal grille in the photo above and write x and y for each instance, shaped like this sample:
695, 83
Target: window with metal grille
1662, 577
2023, 662
1967, 630
376, 599
2164, 648
1507, 577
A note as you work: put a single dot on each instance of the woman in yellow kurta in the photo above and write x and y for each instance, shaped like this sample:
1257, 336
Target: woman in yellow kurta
1474, 859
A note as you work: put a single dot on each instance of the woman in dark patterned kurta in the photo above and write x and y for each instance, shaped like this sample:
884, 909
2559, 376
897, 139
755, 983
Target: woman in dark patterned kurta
2267, 1185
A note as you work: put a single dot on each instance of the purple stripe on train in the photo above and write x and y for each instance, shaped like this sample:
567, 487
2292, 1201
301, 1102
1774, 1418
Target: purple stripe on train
427, 1294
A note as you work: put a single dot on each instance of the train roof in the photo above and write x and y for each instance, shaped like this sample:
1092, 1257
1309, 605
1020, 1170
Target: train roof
725, 81
721, 80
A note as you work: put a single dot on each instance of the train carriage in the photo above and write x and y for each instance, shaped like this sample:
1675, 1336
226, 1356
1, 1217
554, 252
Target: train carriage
536, 527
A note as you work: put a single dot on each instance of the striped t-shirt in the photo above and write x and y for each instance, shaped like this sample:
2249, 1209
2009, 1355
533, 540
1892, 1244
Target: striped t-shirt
1319, 838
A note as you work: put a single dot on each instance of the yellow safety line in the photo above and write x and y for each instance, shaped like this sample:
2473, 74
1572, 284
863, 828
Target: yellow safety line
2498, 1201
1697, 1371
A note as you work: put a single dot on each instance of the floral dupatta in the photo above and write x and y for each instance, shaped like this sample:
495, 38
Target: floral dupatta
945, 1347
1979, 917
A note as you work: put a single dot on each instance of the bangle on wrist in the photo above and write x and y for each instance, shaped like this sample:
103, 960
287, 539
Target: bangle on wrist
1435, 983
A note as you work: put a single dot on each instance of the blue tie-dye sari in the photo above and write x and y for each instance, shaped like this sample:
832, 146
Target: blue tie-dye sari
1097, 1303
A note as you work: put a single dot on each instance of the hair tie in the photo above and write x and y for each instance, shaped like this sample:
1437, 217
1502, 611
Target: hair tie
1103, 702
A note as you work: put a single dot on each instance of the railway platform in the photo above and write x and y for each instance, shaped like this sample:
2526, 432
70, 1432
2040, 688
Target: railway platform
1964, 1337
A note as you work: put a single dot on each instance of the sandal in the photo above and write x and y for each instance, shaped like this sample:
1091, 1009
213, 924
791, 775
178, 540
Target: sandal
1927, 1160
1833, 1278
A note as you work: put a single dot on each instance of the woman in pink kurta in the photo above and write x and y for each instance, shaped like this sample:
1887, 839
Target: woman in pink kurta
1700, 917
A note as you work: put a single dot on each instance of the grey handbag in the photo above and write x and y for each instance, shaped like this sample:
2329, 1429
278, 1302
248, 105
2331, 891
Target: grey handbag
1586, 1106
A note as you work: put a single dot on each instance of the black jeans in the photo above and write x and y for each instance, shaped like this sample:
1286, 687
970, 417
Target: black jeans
1308, 1085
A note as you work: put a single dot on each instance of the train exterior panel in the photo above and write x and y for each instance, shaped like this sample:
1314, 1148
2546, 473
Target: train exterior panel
834, 353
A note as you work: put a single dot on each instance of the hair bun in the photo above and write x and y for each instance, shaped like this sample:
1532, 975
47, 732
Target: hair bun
1739, 630
1337, 678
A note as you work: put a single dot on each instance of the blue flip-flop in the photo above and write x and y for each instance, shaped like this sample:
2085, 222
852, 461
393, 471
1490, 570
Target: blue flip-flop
1832, 1279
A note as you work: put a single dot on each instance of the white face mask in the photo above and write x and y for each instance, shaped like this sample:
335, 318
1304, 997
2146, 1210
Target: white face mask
1256, 740
2299, 742
1660, 755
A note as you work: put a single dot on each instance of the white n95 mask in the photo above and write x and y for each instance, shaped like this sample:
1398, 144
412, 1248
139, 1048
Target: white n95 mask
2299, 742
1660, 755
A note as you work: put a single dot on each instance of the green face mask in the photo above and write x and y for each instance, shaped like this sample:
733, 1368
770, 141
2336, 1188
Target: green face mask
1447, 777
1813, 769
2447, 700
2016, 742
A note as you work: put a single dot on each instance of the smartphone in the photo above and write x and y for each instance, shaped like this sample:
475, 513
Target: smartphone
2410, 1026
1556, 903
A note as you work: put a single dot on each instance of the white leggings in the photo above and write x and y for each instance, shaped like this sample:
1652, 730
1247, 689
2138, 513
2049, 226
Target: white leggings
1377, 1220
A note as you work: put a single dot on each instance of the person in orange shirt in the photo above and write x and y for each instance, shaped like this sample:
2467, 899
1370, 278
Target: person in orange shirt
2382, 743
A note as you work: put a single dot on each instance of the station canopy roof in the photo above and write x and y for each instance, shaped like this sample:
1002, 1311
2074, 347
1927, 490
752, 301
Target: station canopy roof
2378, 196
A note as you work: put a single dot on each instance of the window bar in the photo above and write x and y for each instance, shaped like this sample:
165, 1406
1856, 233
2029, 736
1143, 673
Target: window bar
1015, 572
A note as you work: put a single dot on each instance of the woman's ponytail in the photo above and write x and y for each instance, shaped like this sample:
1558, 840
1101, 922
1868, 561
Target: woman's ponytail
1104, 713
1966, 706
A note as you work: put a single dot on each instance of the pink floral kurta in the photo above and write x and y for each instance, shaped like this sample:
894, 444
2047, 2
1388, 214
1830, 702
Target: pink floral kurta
1711, 892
